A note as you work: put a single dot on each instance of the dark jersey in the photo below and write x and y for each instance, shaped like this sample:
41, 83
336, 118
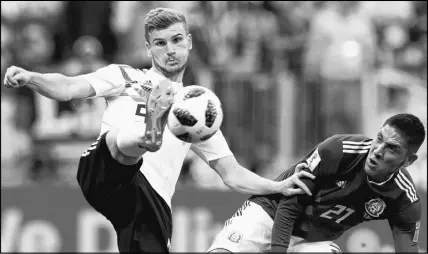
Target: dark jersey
343, 197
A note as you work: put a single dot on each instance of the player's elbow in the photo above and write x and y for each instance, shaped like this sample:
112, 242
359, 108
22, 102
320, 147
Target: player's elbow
63, 92
229, 181
235, 181
235, 186
231, 184
76, 88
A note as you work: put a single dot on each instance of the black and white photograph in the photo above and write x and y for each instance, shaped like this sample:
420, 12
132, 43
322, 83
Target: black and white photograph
214, 126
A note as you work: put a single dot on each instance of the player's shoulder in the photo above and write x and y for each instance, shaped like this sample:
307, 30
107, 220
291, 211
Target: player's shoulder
129, 70
404, 188
350, 139
406, 201
343, 149
117, 68
347, 143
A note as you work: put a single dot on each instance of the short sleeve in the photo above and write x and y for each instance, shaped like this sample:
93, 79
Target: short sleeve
106, 81
212, 149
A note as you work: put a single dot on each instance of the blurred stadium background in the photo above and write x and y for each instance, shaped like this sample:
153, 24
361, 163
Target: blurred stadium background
289, 74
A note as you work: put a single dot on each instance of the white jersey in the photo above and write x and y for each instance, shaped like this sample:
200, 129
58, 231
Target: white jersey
161, 168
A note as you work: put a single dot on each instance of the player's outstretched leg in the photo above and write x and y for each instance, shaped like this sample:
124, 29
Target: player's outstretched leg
158, 105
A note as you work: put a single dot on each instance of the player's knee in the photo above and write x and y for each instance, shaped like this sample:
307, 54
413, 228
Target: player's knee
125, 142
220, 250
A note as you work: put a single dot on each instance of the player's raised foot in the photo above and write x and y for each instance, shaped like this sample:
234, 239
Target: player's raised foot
158, 105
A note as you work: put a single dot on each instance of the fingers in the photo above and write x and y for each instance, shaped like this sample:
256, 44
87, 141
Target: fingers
303, 186
305, 174
11, 82
292, 192
6, 82
300, 167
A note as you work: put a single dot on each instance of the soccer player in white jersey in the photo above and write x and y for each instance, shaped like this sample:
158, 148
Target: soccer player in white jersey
129, 174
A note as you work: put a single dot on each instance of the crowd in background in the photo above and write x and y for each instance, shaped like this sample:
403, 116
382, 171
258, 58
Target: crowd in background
244, 51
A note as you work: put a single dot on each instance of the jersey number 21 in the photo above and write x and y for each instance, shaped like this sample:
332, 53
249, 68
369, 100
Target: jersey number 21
339, 213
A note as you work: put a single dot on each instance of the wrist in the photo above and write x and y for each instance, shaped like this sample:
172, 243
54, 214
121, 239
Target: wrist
275, 187
32, 78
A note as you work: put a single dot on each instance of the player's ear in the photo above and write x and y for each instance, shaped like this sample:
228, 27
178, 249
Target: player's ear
412, 158
189, 41
149, 53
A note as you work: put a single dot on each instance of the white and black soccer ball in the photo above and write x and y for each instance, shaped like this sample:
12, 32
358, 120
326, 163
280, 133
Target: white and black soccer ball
196, 114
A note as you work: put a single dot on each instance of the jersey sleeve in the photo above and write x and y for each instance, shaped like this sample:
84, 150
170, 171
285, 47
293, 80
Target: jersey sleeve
212, 149
289, 208
106, 81
323, 161
405, 228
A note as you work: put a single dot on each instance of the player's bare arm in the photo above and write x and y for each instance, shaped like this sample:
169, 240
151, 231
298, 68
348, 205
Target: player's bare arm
243, 180
62, 88
126, 146
52, 85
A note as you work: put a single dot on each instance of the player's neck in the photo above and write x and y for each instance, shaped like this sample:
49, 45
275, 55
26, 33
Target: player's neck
175, 78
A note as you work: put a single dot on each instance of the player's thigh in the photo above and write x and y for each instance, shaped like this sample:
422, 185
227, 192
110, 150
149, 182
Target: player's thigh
155, 215
298, 245
99, 175
249, 230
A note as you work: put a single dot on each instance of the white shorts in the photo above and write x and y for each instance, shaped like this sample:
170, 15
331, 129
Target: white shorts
250, 230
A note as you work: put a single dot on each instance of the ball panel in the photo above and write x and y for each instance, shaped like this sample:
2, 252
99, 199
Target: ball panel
184, 117
210, 114
194, 92
185, 137
208, 136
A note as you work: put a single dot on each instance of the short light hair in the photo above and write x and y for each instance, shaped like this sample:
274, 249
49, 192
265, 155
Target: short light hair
162, 18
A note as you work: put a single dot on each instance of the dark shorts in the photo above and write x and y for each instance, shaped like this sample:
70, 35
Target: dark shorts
141, 218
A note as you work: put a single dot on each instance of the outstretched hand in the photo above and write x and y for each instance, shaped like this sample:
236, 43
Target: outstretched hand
293, 185
16, 77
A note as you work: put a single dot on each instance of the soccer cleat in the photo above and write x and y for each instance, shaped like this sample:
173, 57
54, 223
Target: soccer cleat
158, 105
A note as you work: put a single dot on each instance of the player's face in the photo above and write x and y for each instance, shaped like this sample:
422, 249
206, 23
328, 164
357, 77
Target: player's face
169, 49
389, 152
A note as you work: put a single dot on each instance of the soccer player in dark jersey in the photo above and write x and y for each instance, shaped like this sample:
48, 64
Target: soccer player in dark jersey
358, 179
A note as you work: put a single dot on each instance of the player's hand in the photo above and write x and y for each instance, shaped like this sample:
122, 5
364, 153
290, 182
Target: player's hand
16, 77
293, 185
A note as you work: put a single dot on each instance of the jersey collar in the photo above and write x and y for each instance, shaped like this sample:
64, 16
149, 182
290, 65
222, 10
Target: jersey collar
175, 85
381, 183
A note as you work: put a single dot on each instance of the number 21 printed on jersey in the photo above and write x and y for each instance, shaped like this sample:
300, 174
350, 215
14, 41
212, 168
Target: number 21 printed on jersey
339, 214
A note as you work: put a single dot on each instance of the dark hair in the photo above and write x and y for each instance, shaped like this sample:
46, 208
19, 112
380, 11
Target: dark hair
410, 126
162, 18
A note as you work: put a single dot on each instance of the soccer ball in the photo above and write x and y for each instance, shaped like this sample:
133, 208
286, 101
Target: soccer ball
195, 115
